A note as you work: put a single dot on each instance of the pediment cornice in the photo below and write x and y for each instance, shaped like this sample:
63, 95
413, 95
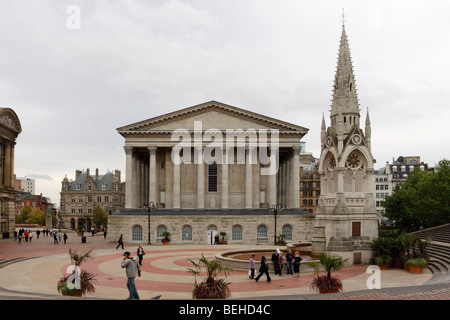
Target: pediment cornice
156, 124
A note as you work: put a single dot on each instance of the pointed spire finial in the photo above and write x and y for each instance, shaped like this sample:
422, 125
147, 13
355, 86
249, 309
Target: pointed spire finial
343, 17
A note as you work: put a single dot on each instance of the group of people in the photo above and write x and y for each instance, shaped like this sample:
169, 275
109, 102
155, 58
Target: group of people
279, 260
27, 235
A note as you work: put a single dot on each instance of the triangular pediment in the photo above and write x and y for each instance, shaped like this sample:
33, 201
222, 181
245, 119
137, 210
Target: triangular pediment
211, 115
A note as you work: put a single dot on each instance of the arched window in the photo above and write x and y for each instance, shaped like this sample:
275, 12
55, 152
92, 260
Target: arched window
261, 234
136, 233
287, 231
186, 233
236, 233
212, 227
160, 230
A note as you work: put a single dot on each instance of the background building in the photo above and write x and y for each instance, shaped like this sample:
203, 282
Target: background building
10, 128
385, 179
24, 199
25, 185
80, 196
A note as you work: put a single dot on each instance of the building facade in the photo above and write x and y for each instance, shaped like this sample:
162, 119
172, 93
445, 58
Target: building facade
80, 196
25, 185
33, 201
385, 179
346, 220
211, 168
309, 189
10, 128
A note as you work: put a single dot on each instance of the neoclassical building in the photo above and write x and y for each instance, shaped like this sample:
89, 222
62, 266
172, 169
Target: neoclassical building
10, 128
212, 168
346, 220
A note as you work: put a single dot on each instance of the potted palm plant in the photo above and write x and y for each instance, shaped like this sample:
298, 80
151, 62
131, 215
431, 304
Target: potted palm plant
224, 235
327, 283
211, 286
79, 282
165, 241
416, 265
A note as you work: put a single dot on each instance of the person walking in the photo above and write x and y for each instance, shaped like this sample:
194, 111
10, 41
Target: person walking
264, 269
140, 253
120, 242
252, 267
65, 237
55, 238
297, 260
289, 262
38, 233
30, 235
132, 270
104, 234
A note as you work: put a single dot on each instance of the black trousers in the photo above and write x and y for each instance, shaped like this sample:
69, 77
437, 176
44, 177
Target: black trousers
266, 272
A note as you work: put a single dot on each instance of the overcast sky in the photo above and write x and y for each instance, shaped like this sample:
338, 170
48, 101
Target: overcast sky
75, 71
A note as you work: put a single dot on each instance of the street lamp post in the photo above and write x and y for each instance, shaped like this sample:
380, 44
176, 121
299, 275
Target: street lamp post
275, 208
149, 208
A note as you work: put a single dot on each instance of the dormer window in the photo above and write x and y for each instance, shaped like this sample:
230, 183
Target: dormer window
78, 186
104, 186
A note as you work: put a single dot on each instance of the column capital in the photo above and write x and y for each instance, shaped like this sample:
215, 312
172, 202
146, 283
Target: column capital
128, 150
152, 149
296, 149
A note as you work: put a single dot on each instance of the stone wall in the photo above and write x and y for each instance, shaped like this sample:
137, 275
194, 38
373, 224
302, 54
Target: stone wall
302, 227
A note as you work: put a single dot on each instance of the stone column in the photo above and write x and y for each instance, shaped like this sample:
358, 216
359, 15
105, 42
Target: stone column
134, 180
176, 178
152, 174
225, 181
273, 187
7, 168
11, 182
128, 177
283, 183
200, 179
248, 178
295, 177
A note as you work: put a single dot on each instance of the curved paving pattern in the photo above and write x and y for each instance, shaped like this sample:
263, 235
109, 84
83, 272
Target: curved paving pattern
165, 272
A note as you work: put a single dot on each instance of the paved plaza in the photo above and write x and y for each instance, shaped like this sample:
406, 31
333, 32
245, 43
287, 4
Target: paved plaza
30, 270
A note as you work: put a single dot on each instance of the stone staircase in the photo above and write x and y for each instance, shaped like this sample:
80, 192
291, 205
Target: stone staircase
438, 251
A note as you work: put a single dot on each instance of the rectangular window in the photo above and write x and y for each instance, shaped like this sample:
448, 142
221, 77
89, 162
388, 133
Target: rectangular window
212, 177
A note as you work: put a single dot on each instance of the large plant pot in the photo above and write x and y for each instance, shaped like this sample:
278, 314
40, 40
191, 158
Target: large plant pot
415, 269
165, 243
383, 267
328, 290
397, 263
73, 293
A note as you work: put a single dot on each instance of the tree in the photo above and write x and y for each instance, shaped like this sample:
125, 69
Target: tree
423, 200
36, 216
23, 215
99, 217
